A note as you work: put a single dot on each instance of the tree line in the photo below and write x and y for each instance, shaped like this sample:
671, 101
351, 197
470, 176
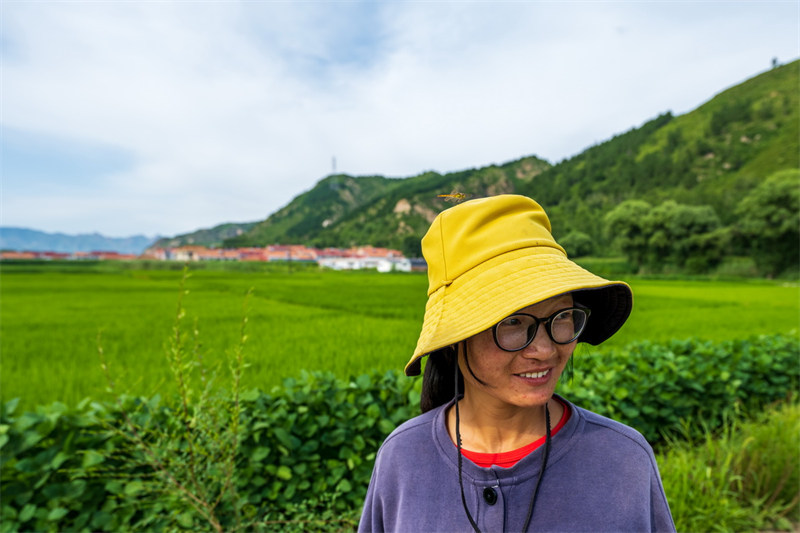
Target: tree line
693, 239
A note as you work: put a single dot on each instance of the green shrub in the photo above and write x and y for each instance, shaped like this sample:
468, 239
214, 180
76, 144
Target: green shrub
303, 459
63, 469
653, 387
318, 436
578, 244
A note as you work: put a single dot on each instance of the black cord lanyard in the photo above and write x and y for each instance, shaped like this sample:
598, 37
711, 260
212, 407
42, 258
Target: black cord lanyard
538, 481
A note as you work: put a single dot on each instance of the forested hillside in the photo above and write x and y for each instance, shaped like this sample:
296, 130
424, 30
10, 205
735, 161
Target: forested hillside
207, 237
712, 156
323, 206
679, 192
343, 210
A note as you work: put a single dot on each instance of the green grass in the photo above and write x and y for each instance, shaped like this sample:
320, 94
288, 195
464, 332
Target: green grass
345, 322
710, 310
342, 322
745, 478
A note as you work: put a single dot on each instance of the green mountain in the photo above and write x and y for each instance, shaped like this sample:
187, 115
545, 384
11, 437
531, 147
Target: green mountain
712, 156
323, 206
345, 211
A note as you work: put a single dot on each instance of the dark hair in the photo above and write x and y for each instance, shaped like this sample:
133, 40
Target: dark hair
438, 386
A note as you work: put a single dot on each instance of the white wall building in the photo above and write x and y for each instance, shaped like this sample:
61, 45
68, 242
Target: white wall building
381, 264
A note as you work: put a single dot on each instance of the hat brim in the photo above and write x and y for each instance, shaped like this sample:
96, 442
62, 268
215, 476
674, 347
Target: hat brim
496, 288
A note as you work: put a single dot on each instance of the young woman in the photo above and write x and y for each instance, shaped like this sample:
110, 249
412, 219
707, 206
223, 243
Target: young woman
495, 449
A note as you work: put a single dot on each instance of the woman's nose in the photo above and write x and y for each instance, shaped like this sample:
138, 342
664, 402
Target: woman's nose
541, 345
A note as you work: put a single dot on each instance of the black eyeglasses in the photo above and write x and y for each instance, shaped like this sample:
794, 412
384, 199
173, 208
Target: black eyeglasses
517, 331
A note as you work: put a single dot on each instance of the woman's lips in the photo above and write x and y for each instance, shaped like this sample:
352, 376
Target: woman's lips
541, 375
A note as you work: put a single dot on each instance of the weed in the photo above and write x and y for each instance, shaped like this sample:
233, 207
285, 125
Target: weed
193, 455
743, 477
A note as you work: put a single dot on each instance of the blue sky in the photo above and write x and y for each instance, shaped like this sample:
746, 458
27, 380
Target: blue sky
161, 118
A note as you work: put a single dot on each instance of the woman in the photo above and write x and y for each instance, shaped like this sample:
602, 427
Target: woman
495, 449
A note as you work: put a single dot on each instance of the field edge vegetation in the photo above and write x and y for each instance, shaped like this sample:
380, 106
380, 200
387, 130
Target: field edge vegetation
146, 463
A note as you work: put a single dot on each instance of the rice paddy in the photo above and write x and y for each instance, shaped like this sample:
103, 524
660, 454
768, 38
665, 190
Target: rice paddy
54, 322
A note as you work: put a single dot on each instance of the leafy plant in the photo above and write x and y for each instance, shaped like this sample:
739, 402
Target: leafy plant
655, 387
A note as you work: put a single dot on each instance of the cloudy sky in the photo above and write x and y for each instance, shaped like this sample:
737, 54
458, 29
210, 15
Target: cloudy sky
162, 117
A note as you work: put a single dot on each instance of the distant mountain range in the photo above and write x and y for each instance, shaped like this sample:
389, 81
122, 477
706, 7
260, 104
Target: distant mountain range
23, 239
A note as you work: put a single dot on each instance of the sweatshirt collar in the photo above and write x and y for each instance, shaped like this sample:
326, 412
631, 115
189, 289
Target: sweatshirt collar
525, 469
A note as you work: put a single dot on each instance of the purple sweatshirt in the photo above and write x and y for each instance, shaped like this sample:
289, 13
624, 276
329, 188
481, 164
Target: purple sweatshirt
601, 476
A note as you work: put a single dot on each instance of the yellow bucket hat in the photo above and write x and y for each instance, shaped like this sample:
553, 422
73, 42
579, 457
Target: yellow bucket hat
490, 257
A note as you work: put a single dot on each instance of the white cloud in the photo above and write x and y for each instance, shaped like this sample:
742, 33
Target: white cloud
228, 110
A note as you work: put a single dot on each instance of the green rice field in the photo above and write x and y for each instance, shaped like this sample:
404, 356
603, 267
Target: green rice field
54, 321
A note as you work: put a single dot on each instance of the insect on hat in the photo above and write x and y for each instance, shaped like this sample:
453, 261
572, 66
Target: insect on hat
490, 257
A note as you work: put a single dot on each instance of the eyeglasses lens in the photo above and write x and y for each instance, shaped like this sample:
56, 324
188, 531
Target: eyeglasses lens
517, 331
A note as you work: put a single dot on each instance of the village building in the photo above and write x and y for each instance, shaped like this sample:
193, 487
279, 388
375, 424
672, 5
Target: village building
11, 255
353, 258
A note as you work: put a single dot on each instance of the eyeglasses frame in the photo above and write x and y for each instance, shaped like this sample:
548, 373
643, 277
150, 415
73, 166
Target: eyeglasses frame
547, 327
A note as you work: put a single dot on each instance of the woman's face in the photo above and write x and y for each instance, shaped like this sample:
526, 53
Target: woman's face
525, 378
